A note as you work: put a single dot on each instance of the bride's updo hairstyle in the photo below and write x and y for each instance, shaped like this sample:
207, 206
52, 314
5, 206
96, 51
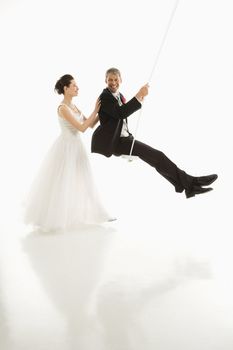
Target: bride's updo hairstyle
65, 80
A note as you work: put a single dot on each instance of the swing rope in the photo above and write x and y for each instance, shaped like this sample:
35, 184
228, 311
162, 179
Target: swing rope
153, 69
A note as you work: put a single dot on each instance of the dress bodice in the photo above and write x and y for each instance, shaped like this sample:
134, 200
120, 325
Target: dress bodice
66, 126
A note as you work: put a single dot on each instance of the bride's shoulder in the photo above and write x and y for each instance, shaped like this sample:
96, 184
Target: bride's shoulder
61, 109
62, 105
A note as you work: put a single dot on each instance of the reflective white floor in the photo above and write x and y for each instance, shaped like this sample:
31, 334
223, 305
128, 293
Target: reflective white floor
158, 278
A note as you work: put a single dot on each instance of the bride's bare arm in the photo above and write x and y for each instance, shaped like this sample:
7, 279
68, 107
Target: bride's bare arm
94, 122
88, 122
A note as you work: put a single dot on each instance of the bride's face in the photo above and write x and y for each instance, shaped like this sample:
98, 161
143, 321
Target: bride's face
72, 89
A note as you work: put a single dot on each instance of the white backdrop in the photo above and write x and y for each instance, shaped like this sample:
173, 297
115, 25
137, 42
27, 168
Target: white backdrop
187, 114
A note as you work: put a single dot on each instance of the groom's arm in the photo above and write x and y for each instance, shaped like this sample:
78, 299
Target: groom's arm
111, 109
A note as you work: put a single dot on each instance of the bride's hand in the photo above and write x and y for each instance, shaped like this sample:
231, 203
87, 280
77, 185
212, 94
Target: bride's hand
97, 106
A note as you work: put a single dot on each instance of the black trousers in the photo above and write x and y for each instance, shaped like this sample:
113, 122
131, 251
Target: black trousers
157, 159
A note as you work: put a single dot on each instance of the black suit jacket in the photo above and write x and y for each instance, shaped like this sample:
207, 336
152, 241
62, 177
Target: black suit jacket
106, 137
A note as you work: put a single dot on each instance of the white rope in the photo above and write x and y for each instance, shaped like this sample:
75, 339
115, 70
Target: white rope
153, 69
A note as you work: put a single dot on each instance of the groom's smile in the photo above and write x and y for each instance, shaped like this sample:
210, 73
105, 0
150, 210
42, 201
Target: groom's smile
113, 82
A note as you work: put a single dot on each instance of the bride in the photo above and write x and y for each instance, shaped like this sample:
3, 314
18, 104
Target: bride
63, 194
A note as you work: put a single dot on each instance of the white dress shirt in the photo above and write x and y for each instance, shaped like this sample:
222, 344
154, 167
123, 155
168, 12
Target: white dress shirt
124, 130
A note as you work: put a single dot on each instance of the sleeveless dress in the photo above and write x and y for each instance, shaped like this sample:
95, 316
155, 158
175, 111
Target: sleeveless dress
63, 194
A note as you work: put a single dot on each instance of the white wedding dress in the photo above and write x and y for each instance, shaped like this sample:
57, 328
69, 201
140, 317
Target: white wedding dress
63, 194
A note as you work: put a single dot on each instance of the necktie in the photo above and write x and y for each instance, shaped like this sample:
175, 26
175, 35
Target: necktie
119, 100
125, 125
120, 104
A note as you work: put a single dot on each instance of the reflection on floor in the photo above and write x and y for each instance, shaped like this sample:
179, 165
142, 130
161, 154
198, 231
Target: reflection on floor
128, 285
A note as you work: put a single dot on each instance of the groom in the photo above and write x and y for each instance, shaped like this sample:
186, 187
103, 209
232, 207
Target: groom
112, 137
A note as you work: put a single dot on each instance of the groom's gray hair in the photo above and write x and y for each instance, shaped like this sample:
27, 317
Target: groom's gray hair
112, 71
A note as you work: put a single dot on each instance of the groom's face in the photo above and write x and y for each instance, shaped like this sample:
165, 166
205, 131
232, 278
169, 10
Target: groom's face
113, 82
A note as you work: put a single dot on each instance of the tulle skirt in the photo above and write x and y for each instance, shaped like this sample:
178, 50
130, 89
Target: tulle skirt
63, 194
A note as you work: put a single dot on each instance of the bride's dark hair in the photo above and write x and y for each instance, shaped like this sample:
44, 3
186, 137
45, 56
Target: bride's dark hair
65, 80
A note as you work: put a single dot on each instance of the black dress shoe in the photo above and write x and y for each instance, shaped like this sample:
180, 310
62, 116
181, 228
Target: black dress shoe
197, 190
205, 180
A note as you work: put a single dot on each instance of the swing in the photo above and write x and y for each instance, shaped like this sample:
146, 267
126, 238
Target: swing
130, 157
